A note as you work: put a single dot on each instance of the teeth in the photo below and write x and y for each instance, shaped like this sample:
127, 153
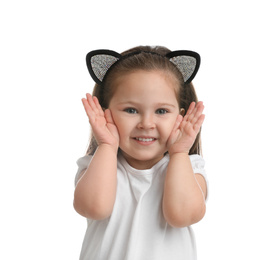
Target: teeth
144, 139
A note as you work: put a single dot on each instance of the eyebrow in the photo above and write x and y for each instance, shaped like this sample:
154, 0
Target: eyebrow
156, 104
165, 104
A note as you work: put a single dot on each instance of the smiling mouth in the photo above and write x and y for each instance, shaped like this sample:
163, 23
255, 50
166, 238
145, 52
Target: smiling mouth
141, 139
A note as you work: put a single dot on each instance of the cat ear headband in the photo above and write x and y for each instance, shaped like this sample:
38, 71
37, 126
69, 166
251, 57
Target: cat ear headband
100, 61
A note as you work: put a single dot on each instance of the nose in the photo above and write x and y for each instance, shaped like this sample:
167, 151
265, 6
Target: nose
146, 122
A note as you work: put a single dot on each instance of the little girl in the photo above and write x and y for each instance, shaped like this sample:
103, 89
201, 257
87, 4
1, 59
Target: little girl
142, 183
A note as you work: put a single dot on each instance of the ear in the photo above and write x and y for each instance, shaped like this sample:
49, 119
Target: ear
99, 61
182, 112
188, 63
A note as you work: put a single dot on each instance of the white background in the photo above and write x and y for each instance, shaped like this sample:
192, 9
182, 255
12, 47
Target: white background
44, 129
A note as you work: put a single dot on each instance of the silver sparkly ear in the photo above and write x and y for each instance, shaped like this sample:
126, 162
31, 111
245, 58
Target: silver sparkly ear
186, 65
99, 62
187, 62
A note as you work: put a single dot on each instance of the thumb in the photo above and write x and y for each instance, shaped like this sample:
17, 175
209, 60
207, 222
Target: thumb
175, 132
177, 123
108, 116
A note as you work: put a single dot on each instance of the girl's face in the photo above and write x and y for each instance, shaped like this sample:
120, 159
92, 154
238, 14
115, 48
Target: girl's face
144, 108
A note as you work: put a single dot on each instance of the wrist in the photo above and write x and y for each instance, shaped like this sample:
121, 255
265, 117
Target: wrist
109, 148
182, 153
177, 149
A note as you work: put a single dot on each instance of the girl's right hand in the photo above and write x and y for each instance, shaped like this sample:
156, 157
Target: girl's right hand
104, 129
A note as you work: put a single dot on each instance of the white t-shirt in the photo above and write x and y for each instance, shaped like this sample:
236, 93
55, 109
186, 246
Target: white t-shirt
136, 229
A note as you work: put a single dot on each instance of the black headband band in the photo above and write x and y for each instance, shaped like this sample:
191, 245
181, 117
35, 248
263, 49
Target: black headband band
100, 61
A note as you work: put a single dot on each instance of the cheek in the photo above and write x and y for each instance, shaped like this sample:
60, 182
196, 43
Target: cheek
122, 125
168, 126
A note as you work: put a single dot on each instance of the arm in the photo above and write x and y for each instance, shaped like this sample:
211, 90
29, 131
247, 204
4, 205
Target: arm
184, 191
95, 191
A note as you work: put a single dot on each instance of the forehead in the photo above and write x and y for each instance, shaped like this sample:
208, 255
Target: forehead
147, 77
146, 85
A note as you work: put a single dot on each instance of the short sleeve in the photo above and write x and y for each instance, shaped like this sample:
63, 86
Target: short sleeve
82, 164
198, 165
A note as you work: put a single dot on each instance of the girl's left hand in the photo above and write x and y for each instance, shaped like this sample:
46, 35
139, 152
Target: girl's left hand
186, 129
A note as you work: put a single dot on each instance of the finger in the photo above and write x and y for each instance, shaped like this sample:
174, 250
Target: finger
195, 114
95, 99
90, 101
190, 108
94, 104
98, 106
177, 123
189, 111
87, 107
198, 112
199, 123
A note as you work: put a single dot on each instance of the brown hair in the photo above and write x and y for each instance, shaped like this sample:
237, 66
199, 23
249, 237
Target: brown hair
146, 59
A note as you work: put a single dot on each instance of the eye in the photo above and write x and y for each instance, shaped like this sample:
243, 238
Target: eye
161, 111
131, 110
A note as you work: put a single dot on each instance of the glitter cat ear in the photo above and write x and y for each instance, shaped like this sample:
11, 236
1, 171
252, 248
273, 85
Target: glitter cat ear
99, 62
188, 63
